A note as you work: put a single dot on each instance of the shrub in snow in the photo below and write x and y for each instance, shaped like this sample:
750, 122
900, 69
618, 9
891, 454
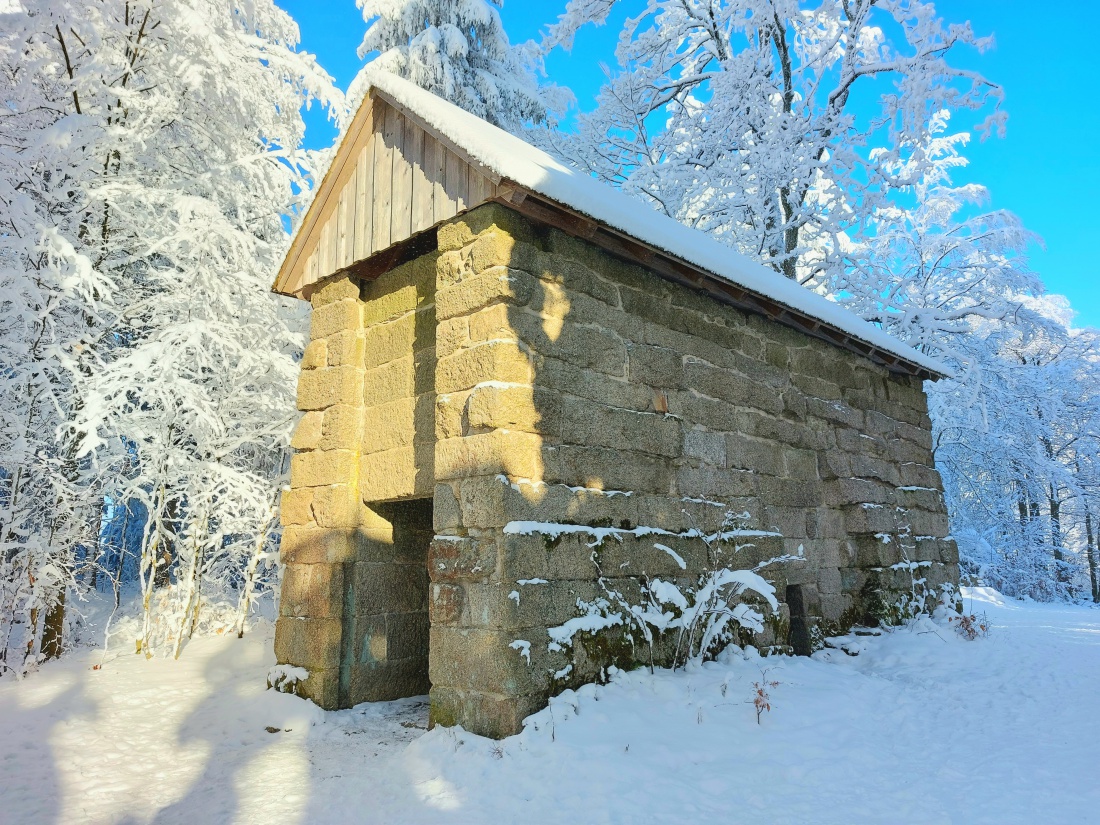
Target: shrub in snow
702, 615
285, 678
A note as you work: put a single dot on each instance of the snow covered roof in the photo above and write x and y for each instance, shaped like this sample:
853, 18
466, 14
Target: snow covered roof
513, 164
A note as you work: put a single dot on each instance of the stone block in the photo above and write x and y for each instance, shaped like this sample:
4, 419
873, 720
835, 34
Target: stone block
484, 714
809, 436
483, 660
403, 378
321, 468
335, 317
317, 545
498, 284
815, 388
392, 340
345, 349
554, 374
312, 591
493, 250
333, 289
397, 473
295, 506
857, 442
789, 521
322, 388
445, 603
715, 484
834, 606
918, 475
834, 411
312, 643
858, 491
503, 361
452, 335
785, 492
607, 469
800, 464
384, 682
869, 519
404, 422
322, 687
315, 355
878, 424
828, 583
403, 289
514, 407
923, 523
512, 605
707, 447
390, 588
341, 428
490, 217
825, 523
920, 436
730, 386
902, 451
597, 425
758, 456
407, 635
578, 279
864, 466
454, 559
515, 454
307, 434
446, 510
336, 506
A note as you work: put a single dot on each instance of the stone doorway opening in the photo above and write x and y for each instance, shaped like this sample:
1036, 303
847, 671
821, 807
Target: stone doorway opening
391, 596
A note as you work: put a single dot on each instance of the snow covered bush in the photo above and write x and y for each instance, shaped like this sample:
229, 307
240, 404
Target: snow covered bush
700, 615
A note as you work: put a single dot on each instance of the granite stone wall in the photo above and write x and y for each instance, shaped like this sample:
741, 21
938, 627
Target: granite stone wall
578, 422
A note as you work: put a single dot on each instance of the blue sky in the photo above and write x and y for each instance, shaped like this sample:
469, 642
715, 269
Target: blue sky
1046, 169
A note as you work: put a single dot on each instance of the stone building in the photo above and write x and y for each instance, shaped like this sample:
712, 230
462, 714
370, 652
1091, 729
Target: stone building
527, 398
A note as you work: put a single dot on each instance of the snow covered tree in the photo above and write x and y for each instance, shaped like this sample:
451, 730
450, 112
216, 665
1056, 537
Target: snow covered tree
51, 300
175, 127
459, 51
756, 121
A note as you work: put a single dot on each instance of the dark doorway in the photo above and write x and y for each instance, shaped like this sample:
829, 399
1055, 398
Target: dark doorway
388, 633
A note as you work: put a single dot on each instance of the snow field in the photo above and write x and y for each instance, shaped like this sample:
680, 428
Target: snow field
922, 727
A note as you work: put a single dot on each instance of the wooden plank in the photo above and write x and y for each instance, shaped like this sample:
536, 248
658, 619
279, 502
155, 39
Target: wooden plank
480, 188
364, 180
326, 261
450, 145
343, 257
443, 205
457, 181
383, 176
401, 202
290, 279
422, 187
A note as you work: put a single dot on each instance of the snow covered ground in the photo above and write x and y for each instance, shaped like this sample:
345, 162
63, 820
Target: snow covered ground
921, 727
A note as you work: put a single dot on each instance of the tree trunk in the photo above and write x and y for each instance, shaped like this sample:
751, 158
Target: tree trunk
1055, 505
1091, 549
53, 627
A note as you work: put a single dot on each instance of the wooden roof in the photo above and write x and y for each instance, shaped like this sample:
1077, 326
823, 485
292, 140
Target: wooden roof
395, 177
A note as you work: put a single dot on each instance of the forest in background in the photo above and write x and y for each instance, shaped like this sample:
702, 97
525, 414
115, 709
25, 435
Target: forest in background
151, 164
